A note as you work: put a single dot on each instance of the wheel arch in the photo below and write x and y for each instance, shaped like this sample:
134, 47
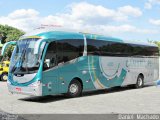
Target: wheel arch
79, 79
141, 74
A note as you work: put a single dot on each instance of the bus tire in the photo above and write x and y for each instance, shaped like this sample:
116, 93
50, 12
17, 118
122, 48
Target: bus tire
140, 81
74, 89
4, 77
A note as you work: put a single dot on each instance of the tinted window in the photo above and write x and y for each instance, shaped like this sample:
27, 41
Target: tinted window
62, 51
115, 49
142, 50
69, 49
107, 48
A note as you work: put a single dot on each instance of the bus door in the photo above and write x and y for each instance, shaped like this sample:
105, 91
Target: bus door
50, 71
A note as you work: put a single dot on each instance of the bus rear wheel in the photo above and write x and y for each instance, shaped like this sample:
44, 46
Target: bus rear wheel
140, 81
74, 89
4, 77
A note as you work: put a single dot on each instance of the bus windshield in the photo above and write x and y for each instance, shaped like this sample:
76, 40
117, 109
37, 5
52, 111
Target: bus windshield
23, 59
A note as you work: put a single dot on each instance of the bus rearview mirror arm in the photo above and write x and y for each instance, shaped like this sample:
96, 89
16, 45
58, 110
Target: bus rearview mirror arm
5, 46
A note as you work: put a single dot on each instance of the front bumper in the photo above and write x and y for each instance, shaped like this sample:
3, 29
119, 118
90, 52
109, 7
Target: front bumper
26, 90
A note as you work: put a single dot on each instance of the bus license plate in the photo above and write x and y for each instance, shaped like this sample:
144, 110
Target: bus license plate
18, 89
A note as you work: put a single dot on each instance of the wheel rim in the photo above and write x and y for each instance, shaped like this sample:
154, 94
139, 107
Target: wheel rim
73, 88
5, 77
140, 82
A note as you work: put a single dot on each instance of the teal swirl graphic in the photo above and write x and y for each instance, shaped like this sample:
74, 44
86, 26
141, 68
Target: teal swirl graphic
100, 80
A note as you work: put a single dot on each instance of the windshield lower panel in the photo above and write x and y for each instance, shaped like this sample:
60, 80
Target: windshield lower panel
23, 59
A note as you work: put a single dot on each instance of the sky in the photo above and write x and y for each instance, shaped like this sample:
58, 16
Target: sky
125, 19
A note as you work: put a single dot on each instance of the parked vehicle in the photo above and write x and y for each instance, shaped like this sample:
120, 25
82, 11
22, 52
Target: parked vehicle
4, 68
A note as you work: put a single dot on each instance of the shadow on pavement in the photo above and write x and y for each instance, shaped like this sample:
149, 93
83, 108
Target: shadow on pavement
3, 81
54, 98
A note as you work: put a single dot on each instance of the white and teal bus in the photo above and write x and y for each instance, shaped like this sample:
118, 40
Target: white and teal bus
60, 62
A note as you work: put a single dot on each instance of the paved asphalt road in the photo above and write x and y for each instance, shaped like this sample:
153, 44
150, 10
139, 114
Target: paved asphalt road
115, 100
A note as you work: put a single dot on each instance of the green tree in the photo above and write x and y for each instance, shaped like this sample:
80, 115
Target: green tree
157, 43
10, 34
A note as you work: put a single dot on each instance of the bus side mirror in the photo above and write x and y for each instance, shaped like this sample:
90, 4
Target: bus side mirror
5, 46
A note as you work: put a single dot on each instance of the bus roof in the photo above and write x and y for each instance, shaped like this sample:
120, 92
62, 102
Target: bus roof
59, 35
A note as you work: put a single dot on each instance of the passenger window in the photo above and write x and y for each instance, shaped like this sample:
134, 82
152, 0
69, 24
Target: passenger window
69, 49
62, 51
108, 48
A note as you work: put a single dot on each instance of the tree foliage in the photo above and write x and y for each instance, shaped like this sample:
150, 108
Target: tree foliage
12, 34
157, 43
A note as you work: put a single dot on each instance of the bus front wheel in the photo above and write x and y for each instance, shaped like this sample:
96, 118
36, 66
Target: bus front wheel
140, 81
74, 89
